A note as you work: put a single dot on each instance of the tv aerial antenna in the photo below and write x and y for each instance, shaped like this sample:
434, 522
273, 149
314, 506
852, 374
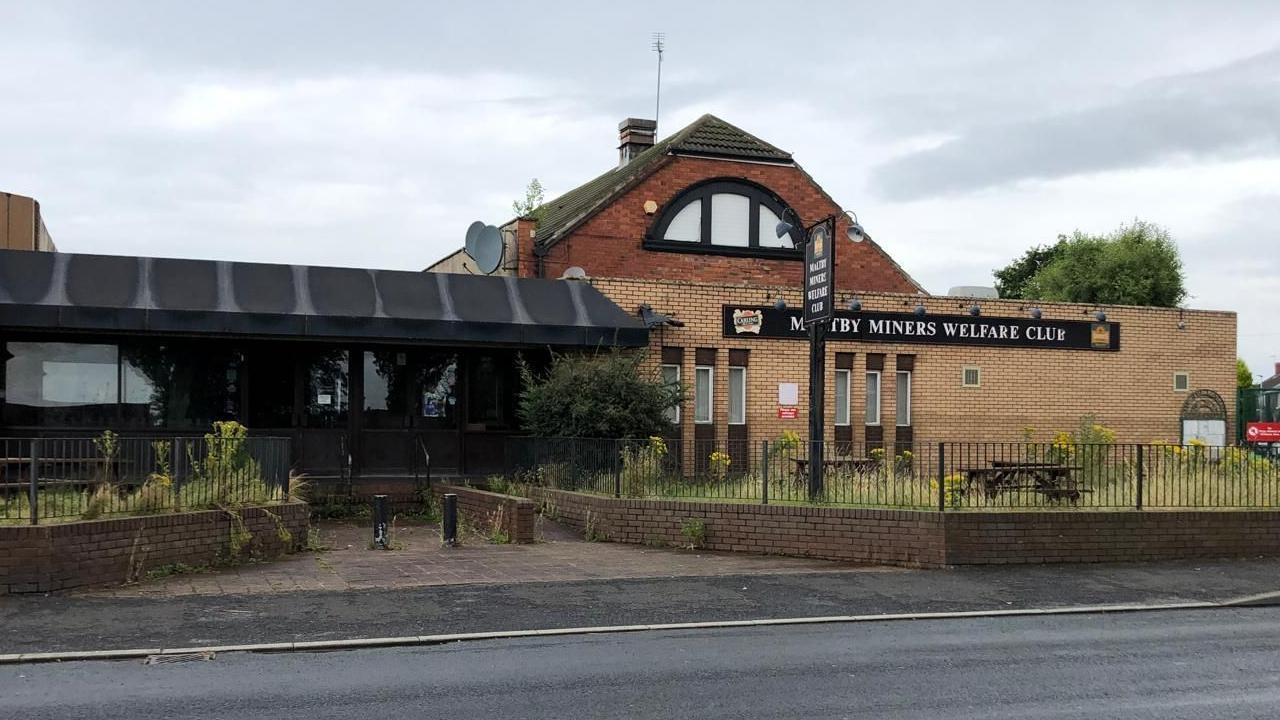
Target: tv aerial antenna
659, 44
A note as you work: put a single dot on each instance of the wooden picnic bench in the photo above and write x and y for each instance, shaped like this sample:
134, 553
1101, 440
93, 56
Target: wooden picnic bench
23, 467
1053, 480
837, 463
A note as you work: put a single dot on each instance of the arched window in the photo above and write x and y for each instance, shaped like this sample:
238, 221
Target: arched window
729, 217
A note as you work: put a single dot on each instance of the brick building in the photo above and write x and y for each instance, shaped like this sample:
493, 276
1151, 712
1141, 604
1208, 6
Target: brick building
685, 228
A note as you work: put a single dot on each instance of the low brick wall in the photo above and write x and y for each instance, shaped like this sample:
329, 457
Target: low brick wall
895, 537
43, 558
1050, 537
915, 538
480, 507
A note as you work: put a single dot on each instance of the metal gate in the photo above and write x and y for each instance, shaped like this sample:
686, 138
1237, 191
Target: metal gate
1256, 405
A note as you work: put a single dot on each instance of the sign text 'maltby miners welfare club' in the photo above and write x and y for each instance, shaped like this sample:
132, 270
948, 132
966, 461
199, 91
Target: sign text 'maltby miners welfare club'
768, 322
819, 275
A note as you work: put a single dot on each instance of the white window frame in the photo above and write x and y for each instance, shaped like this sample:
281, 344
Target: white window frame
711, 394
676, 408
897, 398
847, 376
879, 406
1183, 374
964, 376
742, 395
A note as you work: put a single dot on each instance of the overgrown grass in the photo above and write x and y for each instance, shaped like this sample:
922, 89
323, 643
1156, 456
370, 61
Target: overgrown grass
1173, 477
224, 477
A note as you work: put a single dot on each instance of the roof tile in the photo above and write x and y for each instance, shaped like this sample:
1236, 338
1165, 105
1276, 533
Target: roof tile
706, 136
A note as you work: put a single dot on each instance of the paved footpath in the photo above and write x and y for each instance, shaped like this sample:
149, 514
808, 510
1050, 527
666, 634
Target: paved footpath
419, 560
177, 618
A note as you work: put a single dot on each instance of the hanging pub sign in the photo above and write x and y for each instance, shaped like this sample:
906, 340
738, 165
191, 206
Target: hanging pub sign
819, 274
864, 326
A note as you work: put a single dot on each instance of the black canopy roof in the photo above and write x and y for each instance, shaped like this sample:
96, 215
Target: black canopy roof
106, 293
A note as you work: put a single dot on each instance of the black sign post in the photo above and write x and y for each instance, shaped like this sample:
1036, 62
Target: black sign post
819, 274
819, 308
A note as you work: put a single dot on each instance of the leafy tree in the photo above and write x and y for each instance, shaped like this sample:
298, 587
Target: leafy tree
531, 205
1244, 376
1138, 264
612, 395
1012, 279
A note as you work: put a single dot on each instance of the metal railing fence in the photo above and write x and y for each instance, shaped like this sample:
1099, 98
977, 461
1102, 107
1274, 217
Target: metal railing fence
89, 478
940, 476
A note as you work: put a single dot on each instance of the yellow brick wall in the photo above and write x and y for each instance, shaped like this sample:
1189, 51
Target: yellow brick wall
1130, 391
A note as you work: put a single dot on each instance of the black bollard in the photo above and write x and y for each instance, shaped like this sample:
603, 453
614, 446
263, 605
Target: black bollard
449, 523
380, 539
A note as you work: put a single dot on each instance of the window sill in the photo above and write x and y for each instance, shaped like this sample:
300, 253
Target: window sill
698, 248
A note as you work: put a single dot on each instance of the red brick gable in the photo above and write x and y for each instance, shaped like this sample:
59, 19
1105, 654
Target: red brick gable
609, 244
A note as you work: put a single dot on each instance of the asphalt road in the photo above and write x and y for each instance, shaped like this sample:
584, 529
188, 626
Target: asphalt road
1184, 664
60, 622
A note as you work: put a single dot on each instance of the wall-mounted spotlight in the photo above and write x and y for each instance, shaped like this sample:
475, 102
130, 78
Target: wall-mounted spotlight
854, 231
1100, 316
919, 310
1036, 313
779, 304
1182, 320
855, 304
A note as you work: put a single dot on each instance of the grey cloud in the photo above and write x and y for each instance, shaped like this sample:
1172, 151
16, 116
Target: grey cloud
1228, 111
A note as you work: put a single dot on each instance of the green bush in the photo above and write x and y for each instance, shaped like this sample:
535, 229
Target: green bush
610, 395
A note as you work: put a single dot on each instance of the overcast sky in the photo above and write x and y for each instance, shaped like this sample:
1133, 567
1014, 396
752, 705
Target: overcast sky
371, 134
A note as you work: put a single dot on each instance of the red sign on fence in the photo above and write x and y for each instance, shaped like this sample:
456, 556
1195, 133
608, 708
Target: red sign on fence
1262, 432
788, 413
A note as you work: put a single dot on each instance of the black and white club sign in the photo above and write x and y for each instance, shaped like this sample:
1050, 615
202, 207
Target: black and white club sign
864, 326
819, 274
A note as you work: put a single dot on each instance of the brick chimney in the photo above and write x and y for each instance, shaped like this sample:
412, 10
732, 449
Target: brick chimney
634, 137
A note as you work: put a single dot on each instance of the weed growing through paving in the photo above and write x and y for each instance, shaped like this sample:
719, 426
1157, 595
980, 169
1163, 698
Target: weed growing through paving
496, 529
694, 530
590, 531
334, 508
539, 521
314, 542
172, 569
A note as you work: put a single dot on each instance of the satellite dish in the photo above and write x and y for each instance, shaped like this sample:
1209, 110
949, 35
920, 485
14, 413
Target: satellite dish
974, 291
484, 245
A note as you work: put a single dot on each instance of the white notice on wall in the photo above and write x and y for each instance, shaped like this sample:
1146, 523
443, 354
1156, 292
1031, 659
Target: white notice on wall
788, 394
324, 399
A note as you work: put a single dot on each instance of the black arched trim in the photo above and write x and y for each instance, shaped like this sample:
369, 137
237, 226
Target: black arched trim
701, 193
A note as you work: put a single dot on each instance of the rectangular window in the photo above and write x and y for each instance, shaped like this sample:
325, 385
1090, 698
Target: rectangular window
54, 384
971, 377
842, 396
325, 376
702, 384
730, 219
873, 397
671, 376
1181, 381
737, 396
183, 385
386, 389
903, 398
270, 375
491, 392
